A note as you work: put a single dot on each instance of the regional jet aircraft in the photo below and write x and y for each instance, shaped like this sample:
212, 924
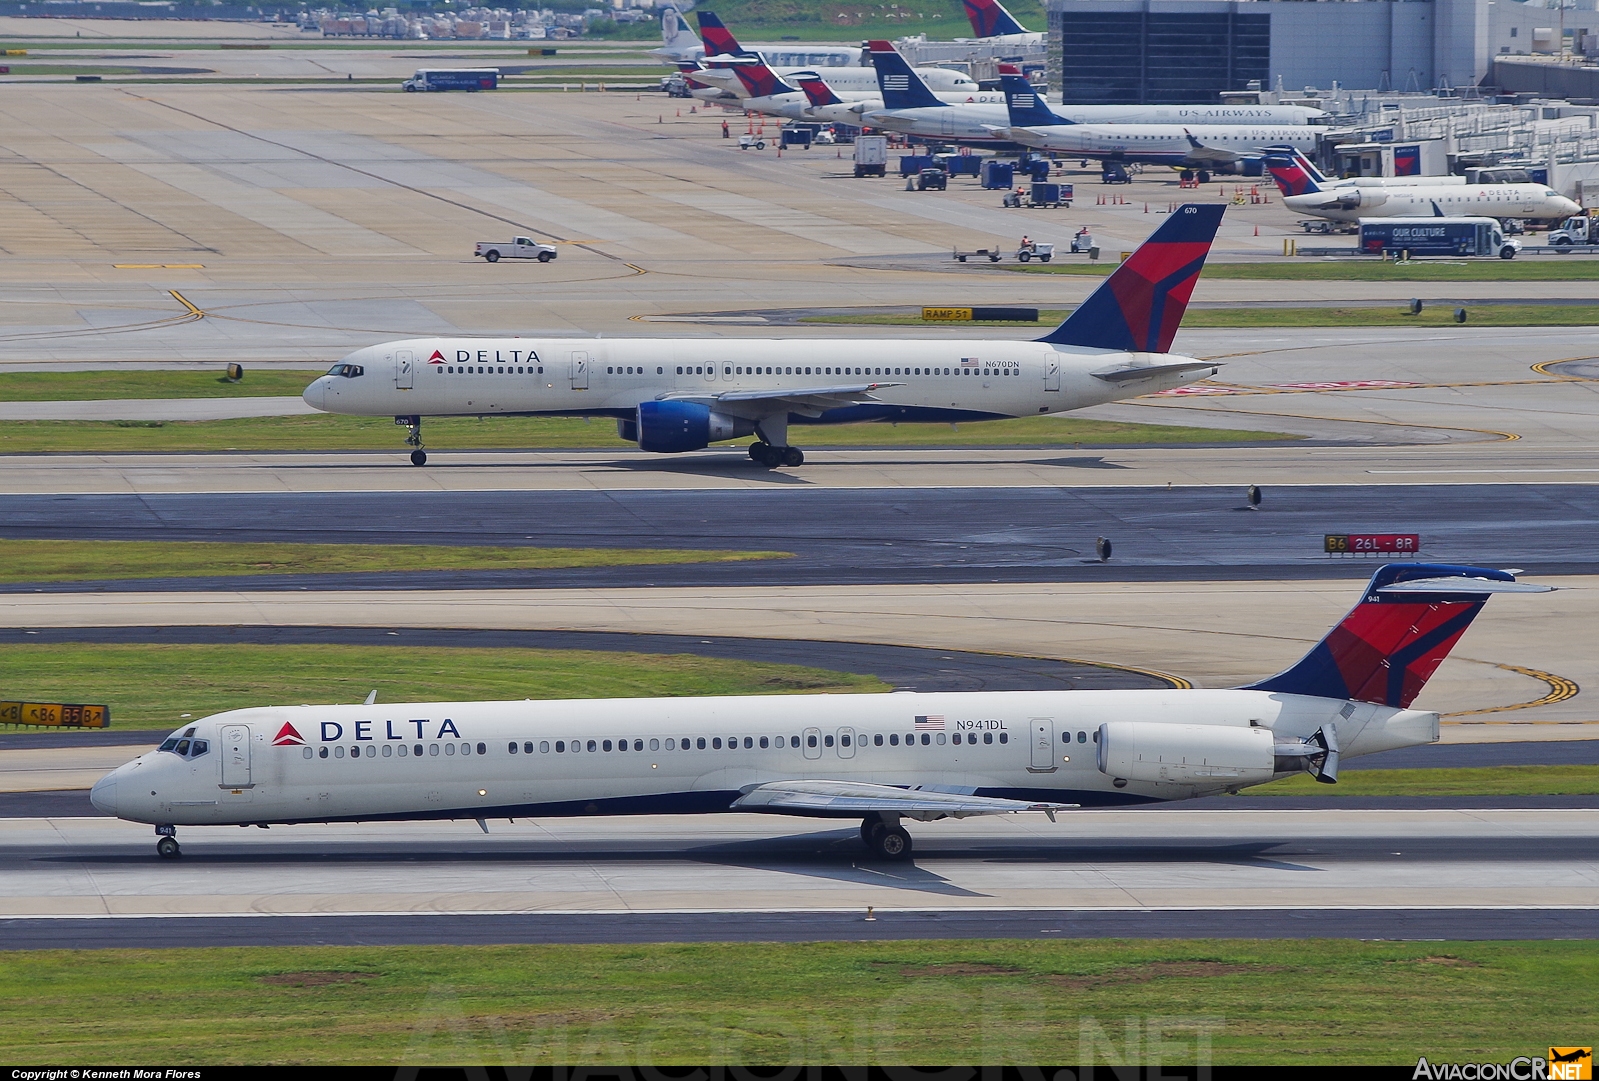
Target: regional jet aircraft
679, 394
1342, 202
878, 758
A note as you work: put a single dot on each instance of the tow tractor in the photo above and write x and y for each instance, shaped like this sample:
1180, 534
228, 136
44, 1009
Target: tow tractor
1581, 229
1034, 250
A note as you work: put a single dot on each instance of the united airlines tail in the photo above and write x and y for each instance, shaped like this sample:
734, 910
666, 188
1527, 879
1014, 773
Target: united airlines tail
989, 19
1140, 306
902, 88
1387, 647
1026, 105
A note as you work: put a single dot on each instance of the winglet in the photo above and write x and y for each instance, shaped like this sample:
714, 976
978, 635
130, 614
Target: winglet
902, 88
1140, 306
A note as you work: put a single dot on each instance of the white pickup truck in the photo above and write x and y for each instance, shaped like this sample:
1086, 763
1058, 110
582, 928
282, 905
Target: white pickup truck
520, 248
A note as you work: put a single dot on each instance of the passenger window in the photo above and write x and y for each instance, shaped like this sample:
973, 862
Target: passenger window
810, 741
511, 747
527, 748
371, 751
827, 741
1082, 737
793, 741
956, 738
638, 745
482, 748
592, 745
560, 746
322, 752
940, 739
749, 744
893, 739
388, 750
671, 745
988, 737
606, 745
1096, 735
305, 752
621, 744
716, 743
843, 740
433, 750
449, 748
700, 743
655, 745
1004, 737
338, 752
877, 740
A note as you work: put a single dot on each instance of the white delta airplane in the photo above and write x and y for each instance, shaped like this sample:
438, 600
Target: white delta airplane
1437, 197
1206, 148
879, 758
671, 395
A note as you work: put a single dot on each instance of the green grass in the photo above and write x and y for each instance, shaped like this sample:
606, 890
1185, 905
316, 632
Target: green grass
96, 386
1482, 315
324, 432
80, 560
152, 686
1497, 781
1526, 269
1320, 1002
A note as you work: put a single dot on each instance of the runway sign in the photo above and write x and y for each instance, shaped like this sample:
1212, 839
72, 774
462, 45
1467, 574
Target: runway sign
1373, 543
946, 315
979, 315
55, 714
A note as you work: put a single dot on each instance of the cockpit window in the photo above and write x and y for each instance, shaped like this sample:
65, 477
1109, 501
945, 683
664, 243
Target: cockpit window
183, 747
186, 748
198, 748
348, 371
169, 745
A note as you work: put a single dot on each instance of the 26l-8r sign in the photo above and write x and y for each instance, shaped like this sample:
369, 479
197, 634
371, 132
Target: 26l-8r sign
1376, 543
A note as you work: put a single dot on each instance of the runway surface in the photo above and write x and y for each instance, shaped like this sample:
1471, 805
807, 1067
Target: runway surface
1521, 873
856, 535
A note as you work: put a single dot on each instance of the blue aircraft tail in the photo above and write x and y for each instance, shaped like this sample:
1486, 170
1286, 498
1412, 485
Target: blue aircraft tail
1140, 306
902, 88
1026, 104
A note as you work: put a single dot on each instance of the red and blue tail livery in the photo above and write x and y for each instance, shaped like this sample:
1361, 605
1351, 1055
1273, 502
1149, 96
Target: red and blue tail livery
717, 38
817, 92
1290, 174
1140, 306
989, 19
1391, 643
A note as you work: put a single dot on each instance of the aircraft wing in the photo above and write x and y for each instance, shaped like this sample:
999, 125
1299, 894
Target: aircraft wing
1199, 153
850, 798
808, 401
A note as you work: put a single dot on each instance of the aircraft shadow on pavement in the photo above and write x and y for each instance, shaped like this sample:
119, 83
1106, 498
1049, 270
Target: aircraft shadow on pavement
725, 468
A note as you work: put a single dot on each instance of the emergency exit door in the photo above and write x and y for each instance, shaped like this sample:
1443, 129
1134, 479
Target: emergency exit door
1043, 745
404, 369
235, 756
1052, 371
580, 370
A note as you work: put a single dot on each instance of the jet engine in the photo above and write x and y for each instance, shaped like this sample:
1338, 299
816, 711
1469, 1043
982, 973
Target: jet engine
671, 427
1211, 754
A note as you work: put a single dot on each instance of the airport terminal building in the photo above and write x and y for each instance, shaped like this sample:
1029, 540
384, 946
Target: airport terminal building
1189, 51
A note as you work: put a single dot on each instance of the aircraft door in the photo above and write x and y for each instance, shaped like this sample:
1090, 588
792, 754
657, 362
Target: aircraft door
580, 370
710, 372
846, 742
813, 743
404, 369
1527, 206
727, 371
1052, 371
946, 124
235, 756
1043, 745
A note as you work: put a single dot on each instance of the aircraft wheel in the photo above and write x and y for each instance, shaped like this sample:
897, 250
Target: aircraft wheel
871, 829
758, 452
1203, 177
893, 844
493, 256
793, 456
419, 457
167, 848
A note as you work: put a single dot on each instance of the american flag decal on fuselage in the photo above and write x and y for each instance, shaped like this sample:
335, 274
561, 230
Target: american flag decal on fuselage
929, 724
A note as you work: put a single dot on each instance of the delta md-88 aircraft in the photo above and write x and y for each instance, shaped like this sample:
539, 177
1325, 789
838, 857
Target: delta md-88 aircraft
879, 758
681, 394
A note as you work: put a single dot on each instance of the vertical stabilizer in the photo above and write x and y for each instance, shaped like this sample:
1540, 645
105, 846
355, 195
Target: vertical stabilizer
902, 88
1290, 173
1026, 105
1140, 306
989, 19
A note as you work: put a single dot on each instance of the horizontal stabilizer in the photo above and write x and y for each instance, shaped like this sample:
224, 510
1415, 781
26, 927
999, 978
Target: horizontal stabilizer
850, 798
1124, 375
1459, 586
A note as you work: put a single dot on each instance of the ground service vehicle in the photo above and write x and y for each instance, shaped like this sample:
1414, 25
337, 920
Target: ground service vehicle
1581, 229
932, 180
1436, 236
520, 248
468, 79
1034, 250
871, 155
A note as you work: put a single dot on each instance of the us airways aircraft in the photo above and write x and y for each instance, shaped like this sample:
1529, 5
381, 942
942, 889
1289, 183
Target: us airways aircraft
680, 394
814, 99
1351, 203
880, 758
1207, 148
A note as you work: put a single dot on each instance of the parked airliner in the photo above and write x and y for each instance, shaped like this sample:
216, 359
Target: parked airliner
1295, 174
1207, 148
1340, 202
680, 394
879, 758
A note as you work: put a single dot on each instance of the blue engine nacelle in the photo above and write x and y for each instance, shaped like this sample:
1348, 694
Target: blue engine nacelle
673, 427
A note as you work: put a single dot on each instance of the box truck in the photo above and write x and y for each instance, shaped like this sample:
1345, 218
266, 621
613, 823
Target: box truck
1436, 236
468, 79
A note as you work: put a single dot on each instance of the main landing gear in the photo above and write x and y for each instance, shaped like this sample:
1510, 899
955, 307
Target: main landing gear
886, 838
167, 845
413, 438
772, 457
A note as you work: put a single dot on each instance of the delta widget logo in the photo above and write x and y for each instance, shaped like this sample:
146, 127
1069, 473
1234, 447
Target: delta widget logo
287, 737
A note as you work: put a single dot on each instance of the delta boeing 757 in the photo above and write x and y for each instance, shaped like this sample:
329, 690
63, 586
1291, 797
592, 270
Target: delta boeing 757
680, 394
879, 758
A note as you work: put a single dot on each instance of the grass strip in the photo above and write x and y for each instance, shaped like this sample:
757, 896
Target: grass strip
85, 560
326, 432
933, 1002
154, 686
115, 384
1438, 315
1495, 781
1528, 269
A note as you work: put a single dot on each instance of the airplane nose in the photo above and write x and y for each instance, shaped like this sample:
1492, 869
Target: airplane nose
104, 794
317, 393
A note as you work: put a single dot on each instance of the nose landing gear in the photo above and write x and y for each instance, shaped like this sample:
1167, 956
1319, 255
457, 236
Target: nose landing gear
413, 438
167, 845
